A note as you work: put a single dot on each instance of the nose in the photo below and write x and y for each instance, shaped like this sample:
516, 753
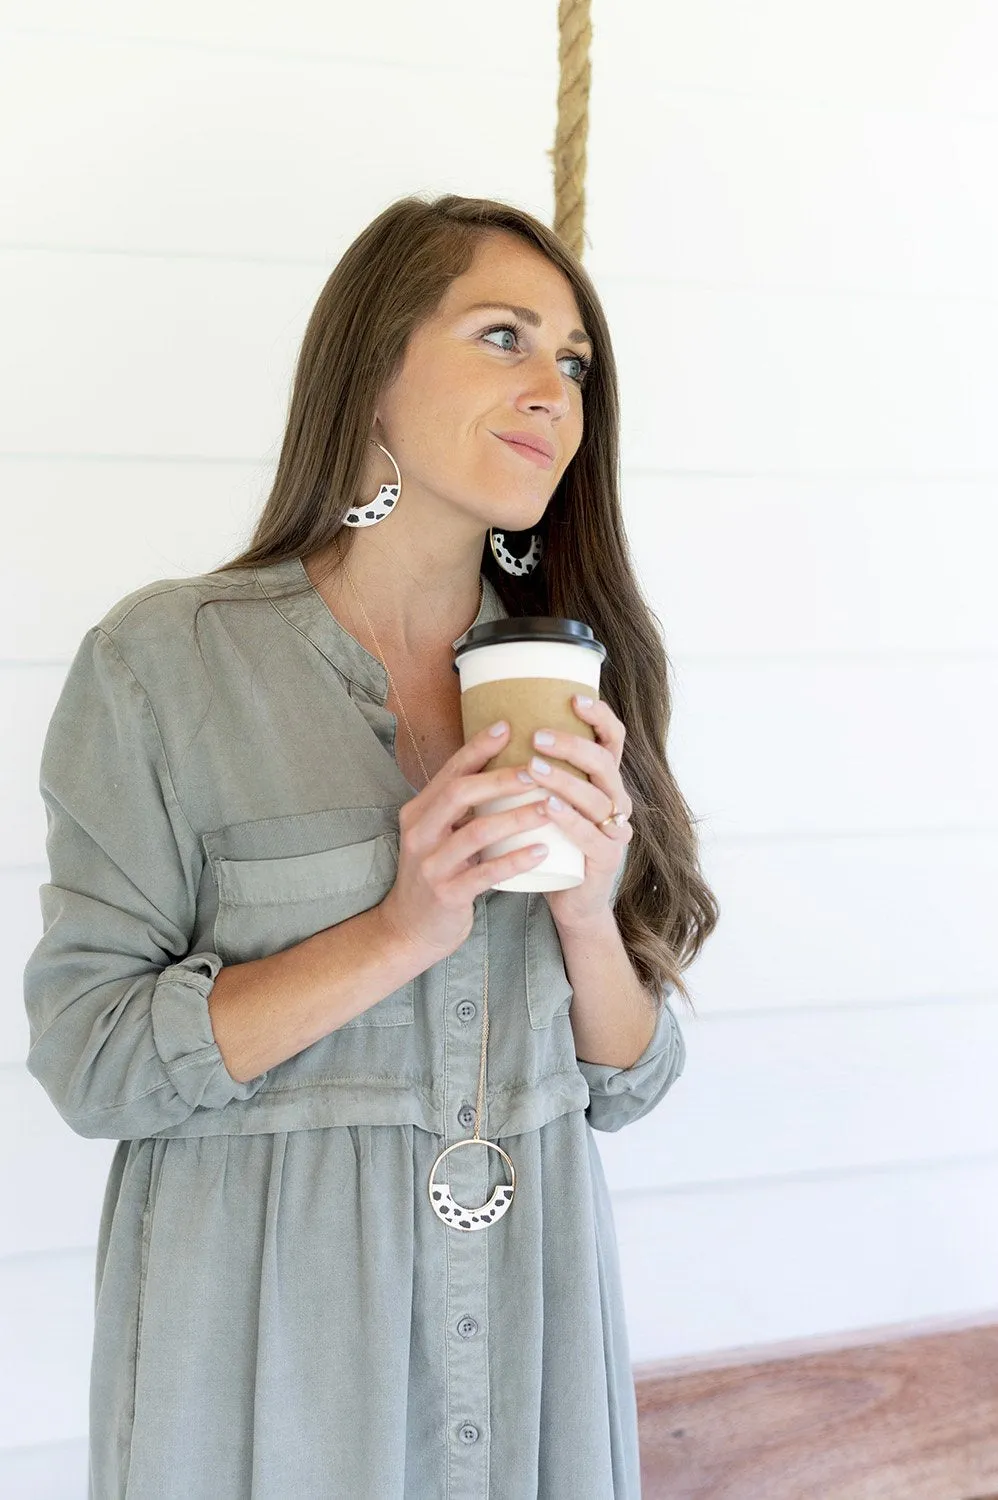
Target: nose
546, 388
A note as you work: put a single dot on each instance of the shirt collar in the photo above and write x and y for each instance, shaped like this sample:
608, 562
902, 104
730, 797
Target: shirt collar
308, 613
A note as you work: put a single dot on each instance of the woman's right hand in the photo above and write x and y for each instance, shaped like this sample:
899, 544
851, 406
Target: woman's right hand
431, 904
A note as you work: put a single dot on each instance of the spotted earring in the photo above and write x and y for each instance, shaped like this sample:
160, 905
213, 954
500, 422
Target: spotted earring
383, 502
387, 497
518, 566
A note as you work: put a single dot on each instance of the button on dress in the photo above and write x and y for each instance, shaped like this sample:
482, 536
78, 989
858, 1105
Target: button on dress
279, 1314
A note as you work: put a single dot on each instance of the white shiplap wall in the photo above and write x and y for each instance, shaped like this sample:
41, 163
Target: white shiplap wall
793, 220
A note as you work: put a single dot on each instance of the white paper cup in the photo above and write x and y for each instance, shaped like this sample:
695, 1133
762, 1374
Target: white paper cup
527, 671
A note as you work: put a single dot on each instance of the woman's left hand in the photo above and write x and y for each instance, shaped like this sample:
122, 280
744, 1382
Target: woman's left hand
586, 805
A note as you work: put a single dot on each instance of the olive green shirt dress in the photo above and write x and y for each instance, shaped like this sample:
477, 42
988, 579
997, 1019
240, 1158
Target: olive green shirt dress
279, 1314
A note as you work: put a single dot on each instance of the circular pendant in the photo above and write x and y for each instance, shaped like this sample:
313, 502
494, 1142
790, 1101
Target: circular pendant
452, 1213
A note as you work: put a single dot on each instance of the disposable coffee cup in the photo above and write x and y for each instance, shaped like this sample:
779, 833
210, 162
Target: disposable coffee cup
527, 670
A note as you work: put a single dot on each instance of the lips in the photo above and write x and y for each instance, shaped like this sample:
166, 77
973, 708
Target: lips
535, 449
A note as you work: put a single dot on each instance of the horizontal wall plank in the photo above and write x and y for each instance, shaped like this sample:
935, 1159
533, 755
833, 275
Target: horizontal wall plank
848, 920
37, 1150
777, 1094
20, 929
844, 197
927, 57
790, 382
811, 565
708, 1269
29, 695
782, 747
303, 34
47, 1314
792, 196
879, 55
267, 152
117, 376
52, 1471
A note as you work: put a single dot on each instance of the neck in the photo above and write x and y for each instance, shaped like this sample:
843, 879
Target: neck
411, 617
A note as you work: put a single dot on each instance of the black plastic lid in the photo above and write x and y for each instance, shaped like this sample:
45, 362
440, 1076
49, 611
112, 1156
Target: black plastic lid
551, 629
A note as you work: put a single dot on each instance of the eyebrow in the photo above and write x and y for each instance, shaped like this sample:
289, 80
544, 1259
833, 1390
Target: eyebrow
577, 335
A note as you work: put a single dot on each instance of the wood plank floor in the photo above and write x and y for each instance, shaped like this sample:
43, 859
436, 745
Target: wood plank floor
908, 1414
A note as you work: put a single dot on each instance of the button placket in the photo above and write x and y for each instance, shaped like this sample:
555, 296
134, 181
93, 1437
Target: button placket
466, 1342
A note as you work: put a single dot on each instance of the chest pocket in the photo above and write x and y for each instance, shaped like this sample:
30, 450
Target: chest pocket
269, 903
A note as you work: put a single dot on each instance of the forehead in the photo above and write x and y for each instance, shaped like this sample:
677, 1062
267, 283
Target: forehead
508, 270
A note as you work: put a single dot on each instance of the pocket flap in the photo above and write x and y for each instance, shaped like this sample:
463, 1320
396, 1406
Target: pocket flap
308, 877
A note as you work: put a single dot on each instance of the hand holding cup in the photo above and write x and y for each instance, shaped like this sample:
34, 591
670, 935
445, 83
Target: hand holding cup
440, 873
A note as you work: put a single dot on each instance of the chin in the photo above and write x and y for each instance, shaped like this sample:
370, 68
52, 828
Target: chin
506, 511
518, 524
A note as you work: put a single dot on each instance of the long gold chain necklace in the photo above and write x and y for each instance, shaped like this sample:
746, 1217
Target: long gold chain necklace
441, 1199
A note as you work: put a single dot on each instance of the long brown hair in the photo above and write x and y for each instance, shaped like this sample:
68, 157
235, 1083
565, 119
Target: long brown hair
390, 279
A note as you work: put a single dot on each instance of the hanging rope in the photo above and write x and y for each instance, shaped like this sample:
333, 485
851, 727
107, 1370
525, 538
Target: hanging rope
569, 154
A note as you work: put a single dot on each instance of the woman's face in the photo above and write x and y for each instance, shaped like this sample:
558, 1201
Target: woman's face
465, 379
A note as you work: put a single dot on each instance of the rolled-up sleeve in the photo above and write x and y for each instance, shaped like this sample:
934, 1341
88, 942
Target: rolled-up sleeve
617, 1096
120, 1033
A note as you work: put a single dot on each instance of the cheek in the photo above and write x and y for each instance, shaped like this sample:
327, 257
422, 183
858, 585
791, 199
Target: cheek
441, 404
419, 420
436, 440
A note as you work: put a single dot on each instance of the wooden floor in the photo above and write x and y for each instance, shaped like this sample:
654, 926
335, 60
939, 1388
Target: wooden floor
885, 1414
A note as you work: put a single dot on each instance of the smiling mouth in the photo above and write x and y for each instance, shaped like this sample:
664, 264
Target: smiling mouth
532, 455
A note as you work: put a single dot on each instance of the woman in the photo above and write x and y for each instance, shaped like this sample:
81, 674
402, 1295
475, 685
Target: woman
270, 945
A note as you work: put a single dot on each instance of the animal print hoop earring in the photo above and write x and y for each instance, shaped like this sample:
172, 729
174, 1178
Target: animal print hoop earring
383, 502
387, 497
519, 566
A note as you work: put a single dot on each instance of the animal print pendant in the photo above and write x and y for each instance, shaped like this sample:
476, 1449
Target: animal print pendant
449, 1212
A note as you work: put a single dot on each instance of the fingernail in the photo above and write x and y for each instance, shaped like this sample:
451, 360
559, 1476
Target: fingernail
555, 802
498, 729
543, 737
583, 702
536, 764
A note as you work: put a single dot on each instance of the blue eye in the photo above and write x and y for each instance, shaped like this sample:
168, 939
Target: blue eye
503, 328
516, 330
